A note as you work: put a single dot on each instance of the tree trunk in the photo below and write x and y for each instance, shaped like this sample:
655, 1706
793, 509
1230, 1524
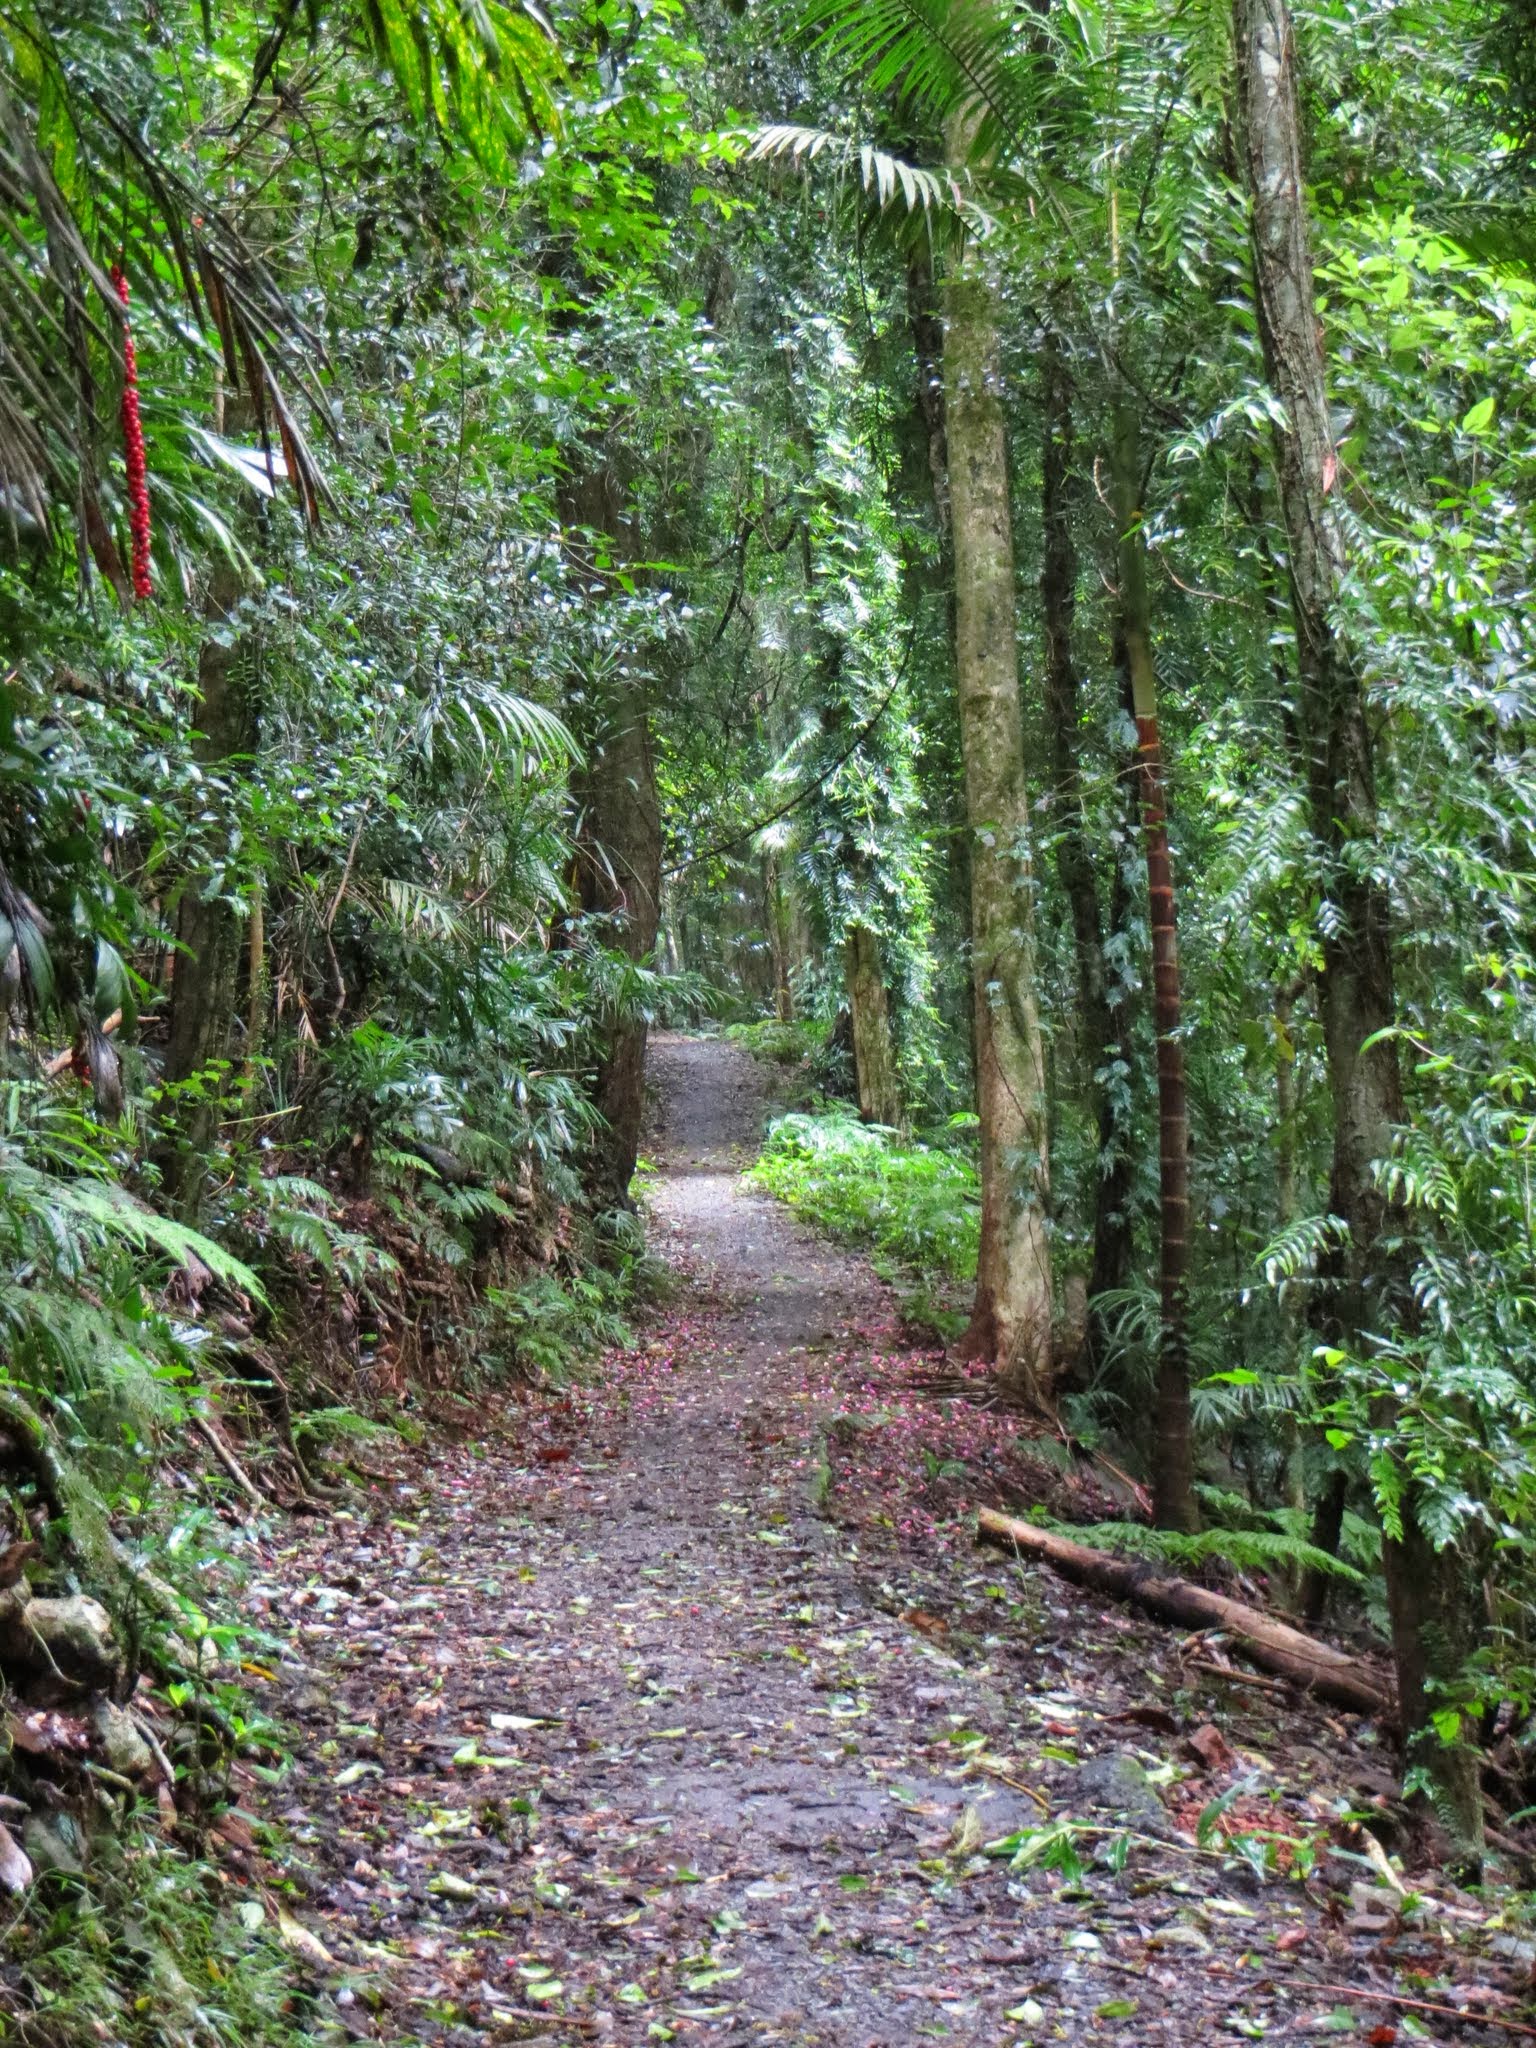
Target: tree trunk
776, 912
1287, 1209
1101, 1009
946, 803
618, 850
1431, 1603
257, 993
1172, 1461
1011, 1320
205, 977
874, 1056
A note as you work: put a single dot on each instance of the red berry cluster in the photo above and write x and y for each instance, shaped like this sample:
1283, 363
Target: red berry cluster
133, 452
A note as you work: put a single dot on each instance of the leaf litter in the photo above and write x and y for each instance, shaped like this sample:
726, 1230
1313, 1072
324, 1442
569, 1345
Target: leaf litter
716, 1727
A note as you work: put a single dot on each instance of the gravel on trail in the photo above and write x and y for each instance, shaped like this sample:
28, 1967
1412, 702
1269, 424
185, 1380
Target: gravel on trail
681, 1706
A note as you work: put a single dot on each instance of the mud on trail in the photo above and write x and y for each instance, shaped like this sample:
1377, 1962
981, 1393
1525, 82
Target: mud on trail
682, 1707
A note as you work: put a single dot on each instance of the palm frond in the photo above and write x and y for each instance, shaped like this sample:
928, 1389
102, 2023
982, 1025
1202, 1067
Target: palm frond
480, 71
888, 179
489, 721
945, 58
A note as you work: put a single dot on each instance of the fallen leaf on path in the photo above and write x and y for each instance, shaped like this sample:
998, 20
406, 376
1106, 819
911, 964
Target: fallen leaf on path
1210, 1748
1157, 1718
302, 1943
931, 1625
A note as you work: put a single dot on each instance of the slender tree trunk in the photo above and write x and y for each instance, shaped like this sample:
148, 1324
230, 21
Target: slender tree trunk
1173, 1458
618, 864
1011, 1320
874, 1055
776, 909
620, 880
1432, 1606
257, 993
1287, 1209
1100, 1009
205, 977
947, 808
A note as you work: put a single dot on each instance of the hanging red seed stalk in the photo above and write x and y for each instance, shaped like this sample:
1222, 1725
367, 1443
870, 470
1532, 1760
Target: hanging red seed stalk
133, 451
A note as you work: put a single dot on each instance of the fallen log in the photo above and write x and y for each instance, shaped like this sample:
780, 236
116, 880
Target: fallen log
1272, 1645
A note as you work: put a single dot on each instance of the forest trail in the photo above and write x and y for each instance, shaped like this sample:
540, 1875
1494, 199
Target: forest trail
616, 1728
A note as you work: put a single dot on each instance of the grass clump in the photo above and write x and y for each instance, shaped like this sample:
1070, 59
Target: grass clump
143, 1949
917, 1203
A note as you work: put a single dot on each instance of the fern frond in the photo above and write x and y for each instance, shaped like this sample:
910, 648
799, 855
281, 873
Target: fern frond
1246, 1550
113, 1213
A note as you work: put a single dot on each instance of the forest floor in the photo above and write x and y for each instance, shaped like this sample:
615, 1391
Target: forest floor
682, 1706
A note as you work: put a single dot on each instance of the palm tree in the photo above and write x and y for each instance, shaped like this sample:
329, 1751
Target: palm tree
102, 186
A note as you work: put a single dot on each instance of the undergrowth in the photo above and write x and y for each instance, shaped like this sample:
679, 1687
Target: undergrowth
1272, 1550
142, 1949
125, 1337
916, 1202
784, 1045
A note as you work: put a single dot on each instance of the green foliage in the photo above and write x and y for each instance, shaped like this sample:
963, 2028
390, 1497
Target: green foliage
917, 1203
147, 1948
618, 422
1264, 1550
783, 1045
1441, 1420
886, 178
81, 1331
547, 1328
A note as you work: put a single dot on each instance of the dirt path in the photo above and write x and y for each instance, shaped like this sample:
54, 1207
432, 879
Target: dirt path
634, 1728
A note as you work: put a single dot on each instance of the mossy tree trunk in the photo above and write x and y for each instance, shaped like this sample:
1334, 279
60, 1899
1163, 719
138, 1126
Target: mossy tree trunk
874, 1052
1011, 1318
209, 927
618, 837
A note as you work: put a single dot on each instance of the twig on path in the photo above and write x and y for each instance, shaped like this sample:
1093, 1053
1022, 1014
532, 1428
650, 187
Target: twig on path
1230, 1671
232, 1465
1447, 2012
1017, 1784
